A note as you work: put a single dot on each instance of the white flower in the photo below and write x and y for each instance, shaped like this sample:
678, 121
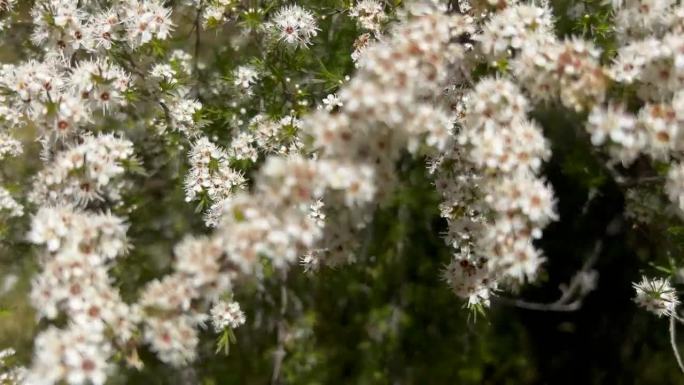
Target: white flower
469, 280
245, 77
49, 227
84, 173
331, 101
199, 259
70, 355
146, 20
293, 25
662, 129
620, 129
213, 14
674, 187
656, 295
514, 28
174, 339
164, 71
210, 174
226, 315
242, 147
369, 13
7, 5
9, 147
7, 203
361, 44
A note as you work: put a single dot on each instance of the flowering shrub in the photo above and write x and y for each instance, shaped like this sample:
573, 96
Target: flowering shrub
177, 171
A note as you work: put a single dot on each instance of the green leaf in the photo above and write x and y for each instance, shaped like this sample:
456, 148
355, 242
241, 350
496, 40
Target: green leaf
224, 340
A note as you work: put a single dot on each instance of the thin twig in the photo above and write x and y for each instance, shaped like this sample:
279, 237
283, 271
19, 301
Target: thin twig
565, 303
554, 306
678, 318
279, 354
198, 29
673, 342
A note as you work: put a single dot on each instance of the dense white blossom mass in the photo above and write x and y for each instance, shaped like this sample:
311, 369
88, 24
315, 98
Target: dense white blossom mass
95, 80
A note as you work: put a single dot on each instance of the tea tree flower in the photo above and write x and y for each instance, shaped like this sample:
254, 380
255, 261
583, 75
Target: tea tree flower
515, 28
84, 173
147, 20
292, 25
10, 373
9, 147
331, 102
70, 355
9, 205
245, 77
211, 175
674, 187
369, 13
656, 295
226, 315
7, 5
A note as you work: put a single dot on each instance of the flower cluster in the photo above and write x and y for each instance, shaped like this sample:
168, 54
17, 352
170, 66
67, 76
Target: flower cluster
9, 205
656, 130
170, 325
648, 59
72, 355
369, 13
10, 374
9, 147
654, 64
71, 92
85, 173
567, 70
80, 248
636, 19
179, 109
516, 28
263, 136
215, 12
211, 177
80, 86
383, 112
495, 203
245, 77
459, 184
62, 28
61, 99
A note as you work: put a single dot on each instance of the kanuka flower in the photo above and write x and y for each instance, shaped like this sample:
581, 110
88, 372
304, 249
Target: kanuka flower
226, 315
292, 25
656, 295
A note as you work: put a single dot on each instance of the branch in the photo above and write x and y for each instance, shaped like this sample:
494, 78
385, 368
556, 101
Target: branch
554, 306
195, 62
572, 295
673, 342
279, 354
